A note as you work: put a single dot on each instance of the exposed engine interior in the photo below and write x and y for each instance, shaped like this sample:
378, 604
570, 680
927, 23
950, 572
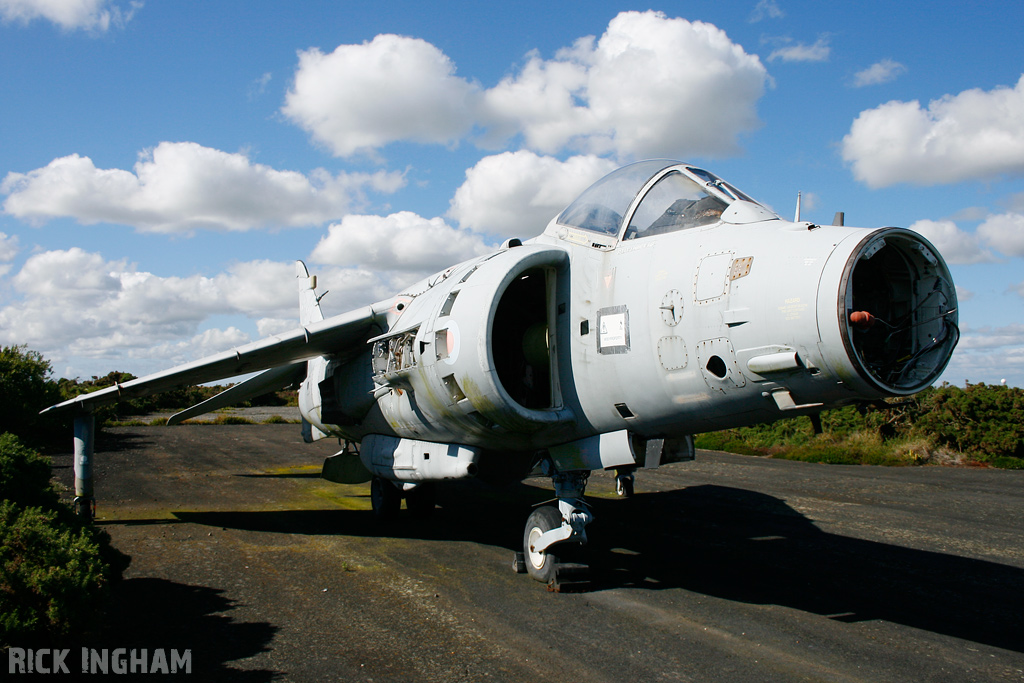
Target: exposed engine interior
520, 337
898, 310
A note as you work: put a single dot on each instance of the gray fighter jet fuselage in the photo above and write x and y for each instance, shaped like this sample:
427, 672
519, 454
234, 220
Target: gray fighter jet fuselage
662, 303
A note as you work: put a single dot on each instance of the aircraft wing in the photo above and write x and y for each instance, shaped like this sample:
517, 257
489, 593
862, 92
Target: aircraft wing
343, 335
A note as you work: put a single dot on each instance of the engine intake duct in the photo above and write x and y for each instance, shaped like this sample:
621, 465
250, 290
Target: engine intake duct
898, 311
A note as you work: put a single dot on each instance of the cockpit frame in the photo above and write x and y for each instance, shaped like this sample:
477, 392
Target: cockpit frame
606, 210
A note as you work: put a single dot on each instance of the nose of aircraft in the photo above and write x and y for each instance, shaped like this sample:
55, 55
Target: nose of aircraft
897, 311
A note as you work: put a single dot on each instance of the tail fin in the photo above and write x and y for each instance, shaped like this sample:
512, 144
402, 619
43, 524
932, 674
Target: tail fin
309, 392
309, 302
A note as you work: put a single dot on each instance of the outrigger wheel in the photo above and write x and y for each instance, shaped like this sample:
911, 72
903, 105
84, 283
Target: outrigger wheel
624, 483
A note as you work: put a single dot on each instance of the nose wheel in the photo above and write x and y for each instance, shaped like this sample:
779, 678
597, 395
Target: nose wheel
541, 564
552, 532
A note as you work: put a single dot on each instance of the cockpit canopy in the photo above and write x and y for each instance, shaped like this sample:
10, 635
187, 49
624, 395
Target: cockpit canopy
656, 197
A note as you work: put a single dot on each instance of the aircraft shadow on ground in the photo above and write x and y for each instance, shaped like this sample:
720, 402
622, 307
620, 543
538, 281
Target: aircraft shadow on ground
751, 547
59, 451
155, 614
118, 441
724, 542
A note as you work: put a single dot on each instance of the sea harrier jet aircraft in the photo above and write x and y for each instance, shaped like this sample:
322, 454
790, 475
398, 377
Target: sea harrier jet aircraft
662, 303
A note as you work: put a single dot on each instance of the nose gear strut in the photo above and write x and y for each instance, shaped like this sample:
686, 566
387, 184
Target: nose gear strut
549, 527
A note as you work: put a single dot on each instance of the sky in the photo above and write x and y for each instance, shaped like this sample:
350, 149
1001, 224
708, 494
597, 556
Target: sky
163, 164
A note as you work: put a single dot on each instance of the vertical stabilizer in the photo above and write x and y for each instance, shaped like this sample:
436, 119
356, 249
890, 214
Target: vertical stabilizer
309, 302
309, 391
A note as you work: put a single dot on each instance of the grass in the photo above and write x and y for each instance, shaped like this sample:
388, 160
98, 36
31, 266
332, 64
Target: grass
223, 419
859, 448
843, 445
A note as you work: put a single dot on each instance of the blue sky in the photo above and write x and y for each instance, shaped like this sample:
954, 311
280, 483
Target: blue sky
163, 163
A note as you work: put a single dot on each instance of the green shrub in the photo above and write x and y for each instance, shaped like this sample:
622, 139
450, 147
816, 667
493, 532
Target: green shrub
1008, 463
25, 389
940, 424
55, 570
25, 475
980, 420
53, 576
729, 440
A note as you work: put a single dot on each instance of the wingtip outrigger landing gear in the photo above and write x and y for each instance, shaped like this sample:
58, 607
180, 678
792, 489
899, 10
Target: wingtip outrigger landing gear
85, 431
625, 478
549, 528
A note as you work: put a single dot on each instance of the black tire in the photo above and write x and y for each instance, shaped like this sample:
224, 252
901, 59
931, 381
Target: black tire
422, 500
541, 566
385, 498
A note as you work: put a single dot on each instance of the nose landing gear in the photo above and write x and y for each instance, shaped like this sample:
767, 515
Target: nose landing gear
549, 530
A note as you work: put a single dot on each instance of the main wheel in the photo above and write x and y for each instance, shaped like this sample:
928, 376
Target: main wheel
421, 500
542, 566
385, 499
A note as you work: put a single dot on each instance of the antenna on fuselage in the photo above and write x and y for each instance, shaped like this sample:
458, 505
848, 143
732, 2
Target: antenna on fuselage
796, 219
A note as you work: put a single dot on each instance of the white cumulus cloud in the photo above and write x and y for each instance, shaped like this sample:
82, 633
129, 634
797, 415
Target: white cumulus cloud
956, 246
181, 187
766, 9
820, 51
402, 241
8, 250
206, 343
1004, 232
993, 337
74, 303
976, 134
516, 194
361, 97
880, 72
69, 15
649, 86
989, 352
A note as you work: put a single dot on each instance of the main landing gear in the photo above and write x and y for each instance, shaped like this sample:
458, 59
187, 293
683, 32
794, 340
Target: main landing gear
551, 531
386, 498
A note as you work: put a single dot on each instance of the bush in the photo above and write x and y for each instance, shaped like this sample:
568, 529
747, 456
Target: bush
55, 570
53, 577
24, 475
980, 420
729, 440
944, 424
25, 389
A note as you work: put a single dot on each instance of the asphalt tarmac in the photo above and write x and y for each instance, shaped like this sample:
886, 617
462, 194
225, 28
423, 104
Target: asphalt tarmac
728, 569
